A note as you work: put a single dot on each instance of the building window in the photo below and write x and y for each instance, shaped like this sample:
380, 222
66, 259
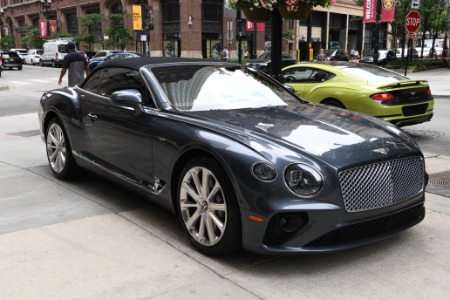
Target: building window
117, 9
72, 23
170, 11
95, 29
212, 10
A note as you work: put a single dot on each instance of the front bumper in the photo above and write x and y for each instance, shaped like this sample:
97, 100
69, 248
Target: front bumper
328, 229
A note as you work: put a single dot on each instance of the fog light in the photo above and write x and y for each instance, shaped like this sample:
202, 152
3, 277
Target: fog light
291, 223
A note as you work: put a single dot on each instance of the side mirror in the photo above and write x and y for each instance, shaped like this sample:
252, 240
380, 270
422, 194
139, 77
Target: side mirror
130, 98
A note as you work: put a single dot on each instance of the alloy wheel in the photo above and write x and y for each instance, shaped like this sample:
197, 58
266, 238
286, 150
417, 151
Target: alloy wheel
203, 206
56, 148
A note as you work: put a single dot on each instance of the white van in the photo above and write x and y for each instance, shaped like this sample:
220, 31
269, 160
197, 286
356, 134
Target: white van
54, 52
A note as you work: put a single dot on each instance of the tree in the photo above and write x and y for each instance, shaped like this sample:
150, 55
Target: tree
92, 26
7, 42
119, 36
59, 35
32, 39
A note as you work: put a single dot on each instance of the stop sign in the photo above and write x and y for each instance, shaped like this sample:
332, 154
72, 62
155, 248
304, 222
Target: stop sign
412, 21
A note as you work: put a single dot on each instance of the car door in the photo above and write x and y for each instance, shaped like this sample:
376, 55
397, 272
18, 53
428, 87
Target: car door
297, 77
120, 136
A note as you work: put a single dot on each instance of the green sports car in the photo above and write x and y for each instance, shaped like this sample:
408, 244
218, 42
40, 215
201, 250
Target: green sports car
363, 88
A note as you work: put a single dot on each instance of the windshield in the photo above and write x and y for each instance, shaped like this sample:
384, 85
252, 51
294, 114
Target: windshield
374, 74
204, 88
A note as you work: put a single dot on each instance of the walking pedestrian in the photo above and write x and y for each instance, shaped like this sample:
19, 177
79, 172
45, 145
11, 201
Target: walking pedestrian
225, 53
322, 55
76, 64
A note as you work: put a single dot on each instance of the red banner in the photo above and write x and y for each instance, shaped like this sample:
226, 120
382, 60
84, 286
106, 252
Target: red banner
388, 10
370, 11
43, 29
250, 26
52, 26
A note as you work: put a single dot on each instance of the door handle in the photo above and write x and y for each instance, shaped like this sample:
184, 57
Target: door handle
92, 116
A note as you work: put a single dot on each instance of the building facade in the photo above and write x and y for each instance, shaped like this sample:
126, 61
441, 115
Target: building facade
195, 28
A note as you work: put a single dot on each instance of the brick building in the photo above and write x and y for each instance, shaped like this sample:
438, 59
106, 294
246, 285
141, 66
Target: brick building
192, 28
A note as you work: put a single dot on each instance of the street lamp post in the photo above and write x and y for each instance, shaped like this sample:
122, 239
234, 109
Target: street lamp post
1, 22
46, 6
445, 53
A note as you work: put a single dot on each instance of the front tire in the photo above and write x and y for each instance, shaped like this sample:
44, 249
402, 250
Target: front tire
208, 209
59, 151
53, 64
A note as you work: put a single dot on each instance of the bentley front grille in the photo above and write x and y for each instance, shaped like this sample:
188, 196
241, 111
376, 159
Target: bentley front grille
382, 184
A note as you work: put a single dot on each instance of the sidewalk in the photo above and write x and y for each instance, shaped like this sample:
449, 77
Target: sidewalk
92, 240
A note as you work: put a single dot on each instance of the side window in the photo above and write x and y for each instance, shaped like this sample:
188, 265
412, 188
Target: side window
62, 48
117, 79
320, 76
92, 85
297, 75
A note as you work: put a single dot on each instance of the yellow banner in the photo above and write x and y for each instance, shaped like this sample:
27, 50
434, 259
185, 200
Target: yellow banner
137, 17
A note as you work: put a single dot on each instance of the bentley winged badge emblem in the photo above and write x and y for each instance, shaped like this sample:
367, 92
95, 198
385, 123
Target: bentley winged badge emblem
381, 150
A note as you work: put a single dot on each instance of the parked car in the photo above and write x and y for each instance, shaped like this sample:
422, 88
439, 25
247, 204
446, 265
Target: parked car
33, 56
117, 55
100, 56
237, 156
11, 60
263, 62
20, 52
384, 57
398, 52
90, 54
337, 54
363, 88
1, 65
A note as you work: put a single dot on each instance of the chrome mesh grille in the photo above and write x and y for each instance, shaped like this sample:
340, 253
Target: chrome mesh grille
381, 184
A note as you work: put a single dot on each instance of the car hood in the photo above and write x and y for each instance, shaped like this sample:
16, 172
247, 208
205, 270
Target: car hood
337, 136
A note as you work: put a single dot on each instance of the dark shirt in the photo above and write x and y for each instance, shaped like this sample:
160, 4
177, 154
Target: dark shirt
75, 63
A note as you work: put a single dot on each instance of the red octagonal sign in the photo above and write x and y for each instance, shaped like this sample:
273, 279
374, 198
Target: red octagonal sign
412, 21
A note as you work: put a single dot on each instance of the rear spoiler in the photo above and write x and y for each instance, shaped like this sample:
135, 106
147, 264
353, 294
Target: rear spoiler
403, 83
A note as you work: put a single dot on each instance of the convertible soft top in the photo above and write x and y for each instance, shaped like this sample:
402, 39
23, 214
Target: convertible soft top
138, 62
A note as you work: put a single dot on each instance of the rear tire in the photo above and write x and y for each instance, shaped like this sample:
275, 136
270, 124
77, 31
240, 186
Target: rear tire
59, 151
334, 102
208, 208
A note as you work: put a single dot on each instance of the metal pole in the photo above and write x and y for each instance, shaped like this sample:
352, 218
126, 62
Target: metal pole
275, 55
239, 19
376, 33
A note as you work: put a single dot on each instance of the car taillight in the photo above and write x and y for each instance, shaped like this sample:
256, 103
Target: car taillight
382, 96
428, 92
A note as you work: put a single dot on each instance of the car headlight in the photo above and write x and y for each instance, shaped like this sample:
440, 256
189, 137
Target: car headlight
264, 171
303, 179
